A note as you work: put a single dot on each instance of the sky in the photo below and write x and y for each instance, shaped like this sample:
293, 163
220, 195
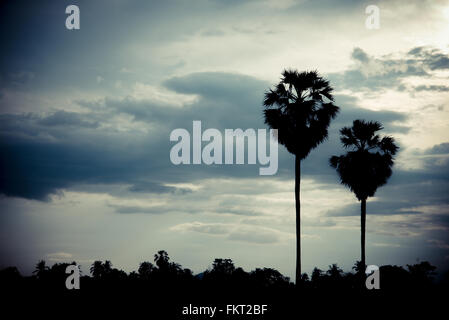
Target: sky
86, 115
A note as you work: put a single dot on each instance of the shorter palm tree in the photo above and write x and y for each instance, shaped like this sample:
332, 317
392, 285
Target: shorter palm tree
366, 166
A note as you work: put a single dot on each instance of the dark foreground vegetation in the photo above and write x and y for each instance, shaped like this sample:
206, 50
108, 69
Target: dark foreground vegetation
165, 287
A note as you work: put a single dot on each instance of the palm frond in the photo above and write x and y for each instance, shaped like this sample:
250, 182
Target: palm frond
388, 145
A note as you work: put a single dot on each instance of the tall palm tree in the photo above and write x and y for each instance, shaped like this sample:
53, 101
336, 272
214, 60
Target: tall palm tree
366, 166
300, 107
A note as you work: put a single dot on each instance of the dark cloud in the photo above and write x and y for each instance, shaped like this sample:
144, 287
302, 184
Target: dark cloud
68, 119
442, 148
151, 187
431, 88
43, 155
373, 208
219, 85
431, 57
388, 71
35, 40
360, 55
137, 209
236, 210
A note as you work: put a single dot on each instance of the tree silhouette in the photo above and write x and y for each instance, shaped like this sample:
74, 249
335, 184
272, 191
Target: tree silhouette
366, 166
224, 266
268, 277
97, 269
222, 271
41, 269
162, 260
358, 268
145, 270
422, 273
102, 270
334, 271
107, 268
301, 107
222, 280
316, 274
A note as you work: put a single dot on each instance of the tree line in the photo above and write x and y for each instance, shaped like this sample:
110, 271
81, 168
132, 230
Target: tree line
164, 273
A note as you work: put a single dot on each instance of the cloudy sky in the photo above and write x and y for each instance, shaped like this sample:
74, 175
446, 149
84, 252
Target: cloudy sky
85, 119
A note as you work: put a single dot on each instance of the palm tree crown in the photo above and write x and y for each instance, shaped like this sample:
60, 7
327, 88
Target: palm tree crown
367, 165
301, 107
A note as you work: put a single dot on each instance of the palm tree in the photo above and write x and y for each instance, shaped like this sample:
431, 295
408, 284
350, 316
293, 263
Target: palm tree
162, 260
366, 166
41, 269
300, 107
334, 272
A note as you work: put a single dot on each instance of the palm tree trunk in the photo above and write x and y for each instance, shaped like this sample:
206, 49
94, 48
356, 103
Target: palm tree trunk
363, 227
298, 218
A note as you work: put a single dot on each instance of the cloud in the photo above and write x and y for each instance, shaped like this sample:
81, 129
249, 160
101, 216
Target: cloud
431, 57
383, 245
126, 209
151, 187
442, 148
125, 141
261, 236
161, 95
436, 159
219, 85
212, 33
373, 208
236, 232
360, 55
209, 228
237, 210
21, 77
50, 153
391, 71
59, 256
439, 243
439, 88
68, 119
